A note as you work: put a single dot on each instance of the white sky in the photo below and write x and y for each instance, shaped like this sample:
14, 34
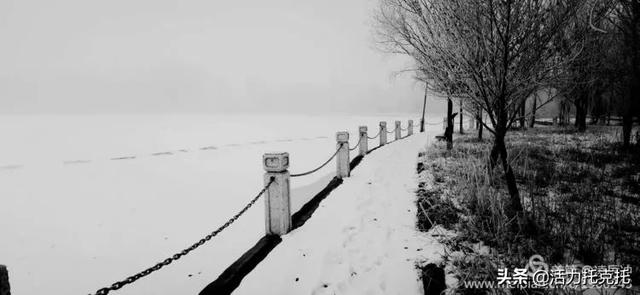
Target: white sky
128, 56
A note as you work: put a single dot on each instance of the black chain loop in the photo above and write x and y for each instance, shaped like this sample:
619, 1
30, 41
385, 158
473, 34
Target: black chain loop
320, 167
357, 144
377, 134
133, 278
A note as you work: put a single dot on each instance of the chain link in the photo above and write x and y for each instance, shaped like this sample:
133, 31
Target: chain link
377, 134
357, 144
320, 167
133, 278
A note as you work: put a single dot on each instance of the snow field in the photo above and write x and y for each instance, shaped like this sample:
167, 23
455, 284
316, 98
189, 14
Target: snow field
73, 220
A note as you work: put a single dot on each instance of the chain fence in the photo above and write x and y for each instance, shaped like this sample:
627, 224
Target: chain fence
319, 167
131, 279
357, 144
159, 265
377, 134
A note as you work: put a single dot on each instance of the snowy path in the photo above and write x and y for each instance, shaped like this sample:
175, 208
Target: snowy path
362, 239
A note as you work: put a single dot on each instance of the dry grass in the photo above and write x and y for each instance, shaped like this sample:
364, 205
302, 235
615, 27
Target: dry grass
580, 191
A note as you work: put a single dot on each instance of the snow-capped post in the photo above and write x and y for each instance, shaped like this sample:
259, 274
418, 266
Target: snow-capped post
4, 281
410, 128
342, 162
398, 130
364, 141
277, 202
383, 133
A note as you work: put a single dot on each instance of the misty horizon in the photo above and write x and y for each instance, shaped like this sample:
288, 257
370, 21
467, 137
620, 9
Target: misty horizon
74, 57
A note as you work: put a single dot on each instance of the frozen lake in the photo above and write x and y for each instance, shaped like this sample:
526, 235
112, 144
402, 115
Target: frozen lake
90, 200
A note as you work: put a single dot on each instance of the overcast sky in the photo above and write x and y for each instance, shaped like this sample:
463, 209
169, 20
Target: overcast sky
128, 56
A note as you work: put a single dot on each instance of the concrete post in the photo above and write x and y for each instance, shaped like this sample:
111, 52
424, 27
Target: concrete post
398, 130
4, 281
342, 163
410, 128
364, 141
383, 133
277, 202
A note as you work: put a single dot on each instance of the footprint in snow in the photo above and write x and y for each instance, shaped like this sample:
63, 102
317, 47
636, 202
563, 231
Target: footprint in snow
123, 158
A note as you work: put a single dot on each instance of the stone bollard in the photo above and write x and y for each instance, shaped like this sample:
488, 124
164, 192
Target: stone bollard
342, 163
397, 130
4, 281
364, 141
383, 133
277, 202
410, 128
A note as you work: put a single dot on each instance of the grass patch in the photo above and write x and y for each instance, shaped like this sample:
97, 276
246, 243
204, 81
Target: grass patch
580, 191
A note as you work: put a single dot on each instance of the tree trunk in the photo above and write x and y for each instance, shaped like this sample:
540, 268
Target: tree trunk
424, 107
630, 109
448, 133
499, 149
516, 205
479, 124
564, 113
461, 119
523, 112
533, 111
581, 113
561, 113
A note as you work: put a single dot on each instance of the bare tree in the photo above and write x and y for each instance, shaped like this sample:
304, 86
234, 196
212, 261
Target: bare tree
585, 73
626, 18
493, 54
622, 23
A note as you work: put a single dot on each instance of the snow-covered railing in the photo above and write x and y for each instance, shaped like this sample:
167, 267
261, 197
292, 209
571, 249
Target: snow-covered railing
278, 213
278, 203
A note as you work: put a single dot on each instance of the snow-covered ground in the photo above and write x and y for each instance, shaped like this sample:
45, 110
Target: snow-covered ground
362, 239
89, 200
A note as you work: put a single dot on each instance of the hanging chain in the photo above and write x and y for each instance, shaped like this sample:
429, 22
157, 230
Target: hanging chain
146, 272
